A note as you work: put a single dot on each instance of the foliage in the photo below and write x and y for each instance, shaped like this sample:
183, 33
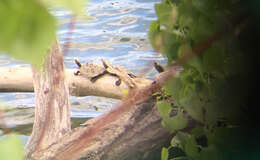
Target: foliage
212, 88
174, 122
11, 148
27, 31
27, 28
164, 154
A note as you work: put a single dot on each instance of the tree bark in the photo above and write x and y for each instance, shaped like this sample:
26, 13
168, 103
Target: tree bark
52, 107
130, 133
19, 79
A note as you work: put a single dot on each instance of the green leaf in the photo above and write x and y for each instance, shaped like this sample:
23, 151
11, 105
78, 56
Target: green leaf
154, 35
187, 143
191, 102
191, 147
27, 30
177, 122
167, 13
164, 154
188, 15
170, 46
173, 123
186, 49
11, 148
181, 158
173, 87
202, 29
164, 109
179, 140
194, 107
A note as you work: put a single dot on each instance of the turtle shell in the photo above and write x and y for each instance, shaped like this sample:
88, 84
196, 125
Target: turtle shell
90, 70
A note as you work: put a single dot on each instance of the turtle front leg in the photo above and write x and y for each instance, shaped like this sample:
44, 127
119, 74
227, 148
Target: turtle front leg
118, 82
95, 78
158, 67
77, 73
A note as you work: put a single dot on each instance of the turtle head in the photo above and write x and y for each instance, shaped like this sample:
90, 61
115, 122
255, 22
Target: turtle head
77, 63
158, 67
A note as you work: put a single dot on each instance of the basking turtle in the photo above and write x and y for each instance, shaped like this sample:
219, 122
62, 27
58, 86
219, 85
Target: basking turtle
90, 70
93, 71
158, 67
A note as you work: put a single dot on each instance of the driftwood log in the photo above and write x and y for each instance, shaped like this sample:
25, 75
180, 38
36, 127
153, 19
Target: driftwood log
124, 133
20, 79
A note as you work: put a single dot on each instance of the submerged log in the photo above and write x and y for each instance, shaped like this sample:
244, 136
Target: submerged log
19, 79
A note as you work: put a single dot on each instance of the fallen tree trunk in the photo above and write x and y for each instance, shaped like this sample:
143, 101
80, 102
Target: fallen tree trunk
123, 133
19, 79
128, 132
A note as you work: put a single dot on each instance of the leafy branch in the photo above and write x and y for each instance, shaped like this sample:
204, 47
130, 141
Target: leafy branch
203, 37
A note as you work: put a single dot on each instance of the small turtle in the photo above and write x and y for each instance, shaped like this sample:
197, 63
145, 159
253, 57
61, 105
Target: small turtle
93, 71
158, 67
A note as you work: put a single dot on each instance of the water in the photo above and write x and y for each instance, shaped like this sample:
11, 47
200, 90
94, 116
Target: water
116, 31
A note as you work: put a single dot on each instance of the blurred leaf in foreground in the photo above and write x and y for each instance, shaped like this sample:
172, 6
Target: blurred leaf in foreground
27, 30
164, 154
172, 123
11, 148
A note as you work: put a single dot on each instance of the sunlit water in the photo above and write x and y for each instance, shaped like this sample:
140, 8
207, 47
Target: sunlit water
116, 31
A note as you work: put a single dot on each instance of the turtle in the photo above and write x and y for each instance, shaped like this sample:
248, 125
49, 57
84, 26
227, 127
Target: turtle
94, 71
158, 67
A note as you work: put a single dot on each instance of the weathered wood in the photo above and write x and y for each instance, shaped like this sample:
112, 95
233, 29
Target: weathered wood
16, 79
52, 107
19, 79
124, 133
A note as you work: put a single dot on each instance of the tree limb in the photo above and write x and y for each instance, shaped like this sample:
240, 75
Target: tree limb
19, 79
52, 107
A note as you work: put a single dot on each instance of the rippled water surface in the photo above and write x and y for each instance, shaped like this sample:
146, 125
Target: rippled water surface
116, 31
